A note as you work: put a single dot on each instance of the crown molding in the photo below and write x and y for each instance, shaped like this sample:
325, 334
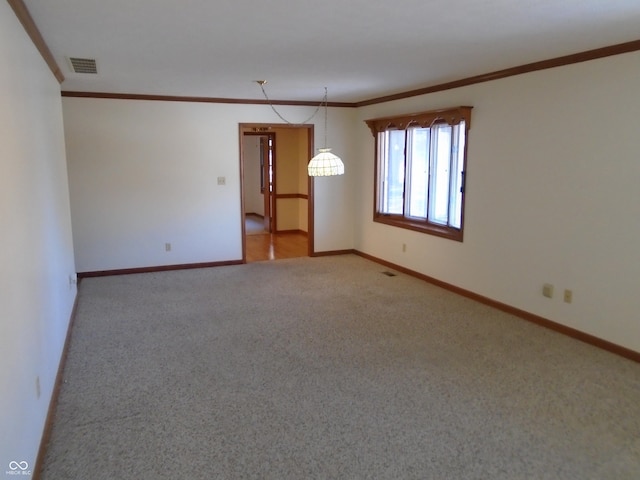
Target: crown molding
31, 28
510, 72
178, 98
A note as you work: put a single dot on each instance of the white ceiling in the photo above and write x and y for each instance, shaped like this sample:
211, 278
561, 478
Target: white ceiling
358, 49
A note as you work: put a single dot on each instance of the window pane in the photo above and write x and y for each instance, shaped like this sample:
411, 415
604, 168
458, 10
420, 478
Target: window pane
418, 158
392, 171
439, 182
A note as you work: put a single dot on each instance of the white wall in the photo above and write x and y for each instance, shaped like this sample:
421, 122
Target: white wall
143, 173
552, 196
36, 254
335, 199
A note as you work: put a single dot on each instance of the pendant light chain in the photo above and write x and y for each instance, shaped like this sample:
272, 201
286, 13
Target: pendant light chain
325, 117
324, 101
325, 163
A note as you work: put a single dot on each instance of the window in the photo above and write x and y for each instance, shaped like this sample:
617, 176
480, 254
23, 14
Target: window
420, 170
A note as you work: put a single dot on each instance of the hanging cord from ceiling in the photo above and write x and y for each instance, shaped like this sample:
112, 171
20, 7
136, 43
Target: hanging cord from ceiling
323, 102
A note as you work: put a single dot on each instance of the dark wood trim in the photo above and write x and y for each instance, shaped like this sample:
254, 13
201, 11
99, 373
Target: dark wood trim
510, 72
330, 253
160, 268
178, 98
55, 394
428, 228
31, 28
538, 320
252, 214
452, 116
259, 129
376, 172
280, 196
243, 229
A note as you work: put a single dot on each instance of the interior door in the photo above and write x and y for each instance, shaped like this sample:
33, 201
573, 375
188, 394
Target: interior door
266, 161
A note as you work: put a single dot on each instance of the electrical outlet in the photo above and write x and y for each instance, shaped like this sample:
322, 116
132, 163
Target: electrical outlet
547, 290
222, 180
568, 296
38, 386
167, 247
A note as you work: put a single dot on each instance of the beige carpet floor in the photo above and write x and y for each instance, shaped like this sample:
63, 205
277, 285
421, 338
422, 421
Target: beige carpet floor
325, 368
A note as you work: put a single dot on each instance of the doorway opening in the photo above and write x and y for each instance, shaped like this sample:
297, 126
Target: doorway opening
277, 193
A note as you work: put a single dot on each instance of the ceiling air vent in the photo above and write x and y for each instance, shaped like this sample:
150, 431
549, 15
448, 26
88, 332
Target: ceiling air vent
83, 65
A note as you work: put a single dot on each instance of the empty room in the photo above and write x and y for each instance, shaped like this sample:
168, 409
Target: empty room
320, 240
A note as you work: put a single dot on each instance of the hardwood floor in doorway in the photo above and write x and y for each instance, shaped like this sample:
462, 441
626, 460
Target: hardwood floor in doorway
276, 246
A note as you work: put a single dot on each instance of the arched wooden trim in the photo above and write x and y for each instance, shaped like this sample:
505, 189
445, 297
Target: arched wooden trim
452, 116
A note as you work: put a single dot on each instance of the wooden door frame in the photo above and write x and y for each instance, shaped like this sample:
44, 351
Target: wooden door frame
265, 128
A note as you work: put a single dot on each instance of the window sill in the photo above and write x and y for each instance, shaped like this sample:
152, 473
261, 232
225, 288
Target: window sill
419, 226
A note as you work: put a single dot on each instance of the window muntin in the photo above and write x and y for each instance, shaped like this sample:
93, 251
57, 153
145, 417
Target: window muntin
420, 171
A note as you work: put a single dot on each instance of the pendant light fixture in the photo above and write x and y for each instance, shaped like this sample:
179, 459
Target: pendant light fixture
325, 163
